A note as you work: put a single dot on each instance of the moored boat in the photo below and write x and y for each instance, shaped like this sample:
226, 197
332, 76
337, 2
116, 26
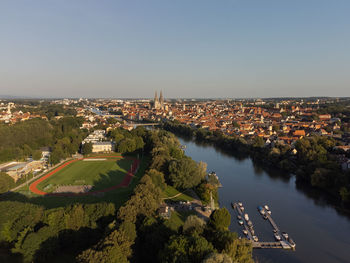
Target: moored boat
240, 222
246, 217
245, 232
277, 237
239, 217
255, 238
285, 235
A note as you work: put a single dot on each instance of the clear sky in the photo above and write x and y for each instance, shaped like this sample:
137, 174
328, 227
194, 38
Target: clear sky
187, 48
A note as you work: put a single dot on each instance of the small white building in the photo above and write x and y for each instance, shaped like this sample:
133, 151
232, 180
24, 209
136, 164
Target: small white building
102, 147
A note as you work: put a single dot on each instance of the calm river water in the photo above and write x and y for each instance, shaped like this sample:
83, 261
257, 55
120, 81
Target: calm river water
321, 234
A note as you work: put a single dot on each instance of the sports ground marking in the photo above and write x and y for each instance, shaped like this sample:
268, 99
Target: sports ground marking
126, 180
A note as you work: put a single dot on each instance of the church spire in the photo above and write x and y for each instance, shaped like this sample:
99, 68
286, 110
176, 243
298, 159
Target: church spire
161, 99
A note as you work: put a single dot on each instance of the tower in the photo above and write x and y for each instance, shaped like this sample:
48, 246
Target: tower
161, 99
156, 101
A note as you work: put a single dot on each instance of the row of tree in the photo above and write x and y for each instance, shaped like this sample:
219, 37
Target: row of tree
140, 235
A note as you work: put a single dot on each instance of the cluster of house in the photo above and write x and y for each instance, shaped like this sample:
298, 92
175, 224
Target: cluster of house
8, 115
99, 142
284, 123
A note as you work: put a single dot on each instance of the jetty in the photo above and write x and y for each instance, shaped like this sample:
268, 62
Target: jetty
284, 243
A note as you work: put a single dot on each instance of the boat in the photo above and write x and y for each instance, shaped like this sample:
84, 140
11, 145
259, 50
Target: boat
250, 224
255, 238
240, 204
252, 231
245, 232
242, 208
285, 235
246, 217
277, 237
291, 243
261, 210
265, 216
240, 222
267, 209
239, 217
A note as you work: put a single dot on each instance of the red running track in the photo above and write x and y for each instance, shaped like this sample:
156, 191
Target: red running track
126, 180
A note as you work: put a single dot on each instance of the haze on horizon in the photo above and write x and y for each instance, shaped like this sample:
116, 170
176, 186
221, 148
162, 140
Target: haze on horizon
228, 48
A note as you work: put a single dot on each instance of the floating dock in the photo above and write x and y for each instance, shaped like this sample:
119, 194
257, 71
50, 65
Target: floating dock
284, 243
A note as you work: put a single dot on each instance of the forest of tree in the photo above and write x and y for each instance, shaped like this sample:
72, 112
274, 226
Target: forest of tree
24, 139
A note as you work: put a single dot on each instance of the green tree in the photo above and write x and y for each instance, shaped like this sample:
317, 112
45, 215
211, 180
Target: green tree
186, 173
86, 148
6, 182
220, 219
217, 258
193, 224
36, 155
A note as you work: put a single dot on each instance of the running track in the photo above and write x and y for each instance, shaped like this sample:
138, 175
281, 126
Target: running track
126, 180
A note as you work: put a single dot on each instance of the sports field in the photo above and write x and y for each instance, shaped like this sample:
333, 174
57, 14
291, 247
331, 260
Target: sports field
98, 173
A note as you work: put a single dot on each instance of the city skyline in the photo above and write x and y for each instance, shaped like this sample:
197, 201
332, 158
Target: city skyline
232, 49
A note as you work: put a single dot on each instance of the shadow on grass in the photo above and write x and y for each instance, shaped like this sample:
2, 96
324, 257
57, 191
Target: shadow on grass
112, 177
117, 196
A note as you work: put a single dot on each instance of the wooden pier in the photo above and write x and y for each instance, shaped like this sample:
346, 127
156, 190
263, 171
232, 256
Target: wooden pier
282, 244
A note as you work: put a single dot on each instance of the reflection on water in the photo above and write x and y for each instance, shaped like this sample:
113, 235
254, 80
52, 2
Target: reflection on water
321, 232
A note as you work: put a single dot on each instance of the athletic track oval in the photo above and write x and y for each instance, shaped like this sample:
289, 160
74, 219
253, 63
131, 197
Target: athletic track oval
126, 180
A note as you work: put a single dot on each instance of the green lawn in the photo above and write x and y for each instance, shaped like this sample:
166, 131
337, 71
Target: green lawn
173, 194
117, 196
177, 219
100, 174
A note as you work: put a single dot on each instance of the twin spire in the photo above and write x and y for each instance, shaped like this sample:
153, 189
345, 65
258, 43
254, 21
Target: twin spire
158, 103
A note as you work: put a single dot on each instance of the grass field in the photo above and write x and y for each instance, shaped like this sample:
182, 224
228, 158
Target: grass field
117, 196
99, 174
174, 195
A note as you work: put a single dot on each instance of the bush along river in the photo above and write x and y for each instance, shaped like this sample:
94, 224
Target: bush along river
321, 233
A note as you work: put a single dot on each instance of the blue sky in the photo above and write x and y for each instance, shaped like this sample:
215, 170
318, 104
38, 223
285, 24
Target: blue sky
187, 48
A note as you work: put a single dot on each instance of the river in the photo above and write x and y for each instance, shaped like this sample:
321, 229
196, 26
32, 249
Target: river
321, 234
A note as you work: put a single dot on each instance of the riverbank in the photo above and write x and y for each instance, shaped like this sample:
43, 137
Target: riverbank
318, 229
312, 164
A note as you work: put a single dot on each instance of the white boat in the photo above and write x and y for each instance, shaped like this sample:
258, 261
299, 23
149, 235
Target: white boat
246, 217
285, 235
291, 243
245, 232
277, 237
240, 204
266, 207
250, 224
255, 238
240, 222
239, 217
